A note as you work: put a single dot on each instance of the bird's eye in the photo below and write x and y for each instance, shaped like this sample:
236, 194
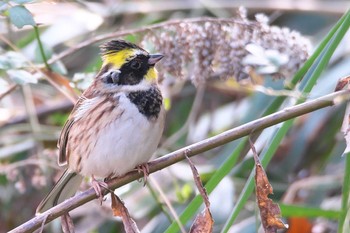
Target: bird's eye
135, 64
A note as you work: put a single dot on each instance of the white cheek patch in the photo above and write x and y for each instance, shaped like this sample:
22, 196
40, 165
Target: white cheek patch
142, 86
113, 74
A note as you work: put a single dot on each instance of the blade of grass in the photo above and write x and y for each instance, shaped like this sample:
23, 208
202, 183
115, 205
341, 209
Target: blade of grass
345, 197
308, 212
312, 75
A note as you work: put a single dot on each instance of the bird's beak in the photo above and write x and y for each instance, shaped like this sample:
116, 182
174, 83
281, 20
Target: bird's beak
154, 58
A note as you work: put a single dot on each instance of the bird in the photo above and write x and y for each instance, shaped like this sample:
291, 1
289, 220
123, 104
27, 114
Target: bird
115, 125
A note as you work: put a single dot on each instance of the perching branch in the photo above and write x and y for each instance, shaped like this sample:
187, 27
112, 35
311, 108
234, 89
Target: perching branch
194, 149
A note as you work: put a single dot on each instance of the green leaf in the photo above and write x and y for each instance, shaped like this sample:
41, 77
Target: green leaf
307, 211
343, 225
21, 76
12, 60
20, 16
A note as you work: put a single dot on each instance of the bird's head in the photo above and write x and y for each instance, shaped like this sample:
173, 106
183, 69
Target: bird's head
126, 65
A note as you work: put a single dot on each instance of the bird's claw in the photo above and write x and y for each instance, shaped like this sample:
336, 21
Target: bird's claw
144, 168
97, 184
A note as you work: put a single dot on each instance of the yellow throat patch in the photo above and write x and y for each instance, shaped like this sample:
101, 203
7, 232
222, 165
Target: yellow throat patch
151, 74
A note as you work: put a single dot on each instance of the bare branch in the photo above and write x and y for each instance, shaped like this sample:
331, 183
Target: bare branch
194, 149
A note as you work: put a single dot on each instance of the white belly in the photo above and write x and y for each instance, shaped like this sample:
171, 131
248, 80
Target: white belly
124, 143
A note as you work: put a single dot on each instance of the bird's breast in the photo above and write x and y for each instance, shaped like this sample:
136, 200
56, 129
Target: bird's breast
126, 136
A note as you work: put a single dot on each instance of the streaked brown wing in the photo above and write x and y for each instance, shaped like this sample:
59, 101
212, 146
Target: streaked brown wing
63, 139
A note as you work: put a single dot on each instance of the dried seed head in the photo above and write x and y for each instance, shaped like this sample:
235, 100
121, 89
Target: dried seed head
218, 48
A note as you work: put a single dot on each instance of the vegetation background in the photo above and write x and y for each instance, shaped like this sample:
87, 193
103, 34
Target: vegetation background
304, 156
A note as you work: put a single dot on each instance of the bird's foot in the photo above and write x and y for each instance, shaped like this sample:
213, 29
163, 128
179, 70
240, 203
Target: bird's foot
97, 185
144, 168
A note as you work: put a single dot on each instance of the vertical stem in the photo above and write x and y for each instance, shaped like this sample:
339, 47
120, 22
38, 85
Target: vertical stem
345, 196
41, 48
158, 201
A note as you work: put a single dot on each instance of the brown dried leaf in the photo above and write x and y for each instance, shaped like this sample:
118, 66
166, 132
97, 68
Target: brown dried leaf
120, 210
204, 222
67, 223
342, 83
269, 211
345, 128
62, 83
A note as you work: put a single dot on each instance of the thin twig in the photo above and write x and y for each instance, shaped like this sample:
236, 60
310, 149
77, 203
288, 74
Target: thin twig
194, 149
310, 183
139, 30
8, 91
159, 202
167, 202
9, 43
33, 118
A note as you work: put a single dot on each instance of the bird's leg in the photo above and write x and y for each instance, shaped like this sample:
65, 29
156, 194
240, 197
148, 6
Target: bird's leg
144, 168
97, 184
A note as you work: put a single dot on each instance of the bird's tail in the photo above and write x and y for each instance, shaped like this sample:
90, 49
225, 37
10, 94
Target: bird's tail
65, 188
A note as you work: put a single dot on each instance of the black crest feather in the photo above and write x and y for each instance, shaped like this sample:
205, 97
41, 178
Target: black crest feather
114, 46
